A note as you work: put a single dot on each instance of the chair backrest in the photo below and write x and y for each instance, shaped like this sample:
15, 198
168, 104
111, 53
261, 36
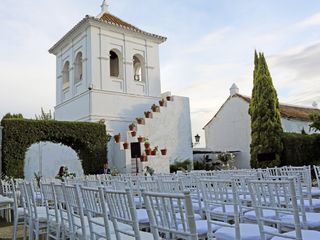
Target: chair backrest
61, 204
171, 213
167, 186
74, 204
317, 173
279, 196
122, 209
221, 194
31, 199
93, 208
50, 201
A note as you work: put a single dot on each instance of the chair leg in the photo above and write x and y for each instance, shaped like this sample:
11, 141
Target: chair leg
14, 229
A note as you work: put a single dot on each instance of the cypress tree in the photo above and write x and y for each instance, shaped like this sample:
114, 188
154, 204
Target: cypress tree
266, 129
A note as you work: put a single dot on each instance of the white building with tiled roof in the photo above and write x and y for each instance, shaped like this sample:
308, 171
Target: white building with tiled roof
230, 128
108, 70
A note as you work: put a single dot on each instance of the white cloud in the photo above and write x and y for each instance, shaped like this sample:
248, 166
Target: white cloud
313, 20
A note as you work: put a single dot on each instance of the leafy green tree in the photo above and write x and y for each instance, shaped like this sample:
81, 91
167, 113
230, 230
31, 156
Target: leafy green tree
13, 115
266, 129
315, 118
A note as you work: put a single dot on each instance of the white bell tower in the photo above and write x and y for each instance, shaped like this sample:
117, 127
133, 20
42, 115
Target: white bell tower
106, 69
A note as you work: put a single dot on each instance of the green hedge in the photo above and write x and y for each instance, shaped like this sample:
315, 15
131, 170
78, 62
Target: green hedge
300, 149
88, 140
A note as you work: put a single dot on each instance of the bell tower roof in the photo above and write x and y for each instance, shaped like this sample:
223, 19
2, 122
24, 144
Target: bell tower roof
104, 8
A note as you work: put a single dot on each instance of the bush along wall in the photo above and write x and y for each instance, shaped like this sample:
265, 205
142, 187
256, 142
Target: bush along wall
88, 140
300, 149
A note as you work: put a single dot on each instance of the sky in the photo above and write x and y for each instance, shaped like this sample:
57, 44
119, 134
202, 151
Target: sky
210, 46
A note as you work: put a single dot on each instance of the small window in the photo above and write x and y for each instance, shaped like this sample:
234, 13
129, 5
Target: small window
114, 64
78, 68
65, 76
138, 68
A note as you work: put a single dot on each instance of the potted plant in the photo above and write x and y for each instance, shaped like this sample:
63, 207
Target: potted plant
117, 137
133, 133
140, 139
132, 126
140, 120
155, 108
146, 143
164, 151
126, 145
154, 151
148, 151
148, 114
169, 98
149, 170
143, 158
162, 102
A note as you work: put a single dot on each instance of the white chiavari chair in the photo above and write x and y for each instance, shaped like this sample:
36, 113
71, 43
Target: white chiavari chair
122, 210
171, 215
222, 205
281, 198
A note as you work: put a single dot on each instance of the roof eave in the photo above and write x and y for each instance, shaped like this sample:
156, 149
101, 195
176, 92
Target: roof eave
87, 19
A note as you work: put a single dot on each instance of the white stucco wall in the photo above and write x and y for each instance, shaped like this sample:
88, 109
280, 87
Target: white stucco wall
170, 128
230, 131
52, 157
294, 125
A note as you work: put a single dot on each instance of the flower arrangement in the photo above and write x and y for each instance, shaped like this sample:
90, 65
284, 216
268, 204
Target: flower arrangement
227, 158
65, 174
148, 170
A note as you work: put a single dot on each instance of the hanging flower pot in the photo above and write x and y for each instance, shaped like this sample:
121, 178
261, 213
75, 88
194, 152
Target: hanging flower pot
132, 126
146, 143
169, 98
140, 139
148, 151
117, 138
126, 145
162, 103
163, 151
148, 114
140, 120
133, 133
155, 108
143, 158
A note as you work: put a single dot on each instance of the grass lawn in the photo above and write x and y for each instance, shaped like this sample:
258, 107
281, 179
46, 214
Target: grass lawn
6, 230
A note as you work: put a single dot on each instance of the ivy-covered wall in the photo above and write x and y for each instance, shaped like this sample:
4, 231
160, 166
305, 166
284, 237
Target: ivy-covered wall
88, 140
300, 149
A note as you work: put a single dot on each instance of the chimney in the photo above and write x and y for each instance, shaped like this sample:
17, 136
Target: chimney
234, 89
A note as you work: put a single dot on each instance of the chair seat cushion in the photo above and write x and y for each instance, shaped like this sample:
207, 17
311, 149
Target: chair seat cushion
142, 216
247, 232
313, 219
202, 227
229, 210
251, 215
5, 200
306, 235
315, 203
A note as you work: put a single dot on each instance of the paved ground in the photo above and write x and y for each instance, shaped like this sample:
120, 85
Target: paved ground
6, 230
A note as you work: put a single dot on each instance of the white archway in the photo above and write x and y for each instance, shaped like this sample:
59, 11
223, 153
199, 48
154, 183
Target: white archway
47, 157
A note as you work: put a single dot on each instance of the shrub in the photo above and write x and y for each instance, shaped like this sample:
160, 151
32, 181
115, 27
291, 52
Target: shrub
89, 140
185, 165
300, 149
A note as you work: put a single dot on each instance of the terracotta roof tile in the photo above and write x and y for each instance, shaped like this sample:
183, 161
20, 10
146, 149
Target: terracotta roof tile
289, 111
286, 111
109, 18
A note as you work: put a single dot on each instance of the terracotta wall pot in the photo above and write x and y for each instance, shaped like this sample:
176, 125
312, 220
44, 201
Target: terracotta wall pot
143, 158
117, 138
131, 127
140, 121
161, 103
169, 98
147, 145
140, 139
153, 152
163, 151
133, 133
126, 145
148, 151
155, 109
148, 114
